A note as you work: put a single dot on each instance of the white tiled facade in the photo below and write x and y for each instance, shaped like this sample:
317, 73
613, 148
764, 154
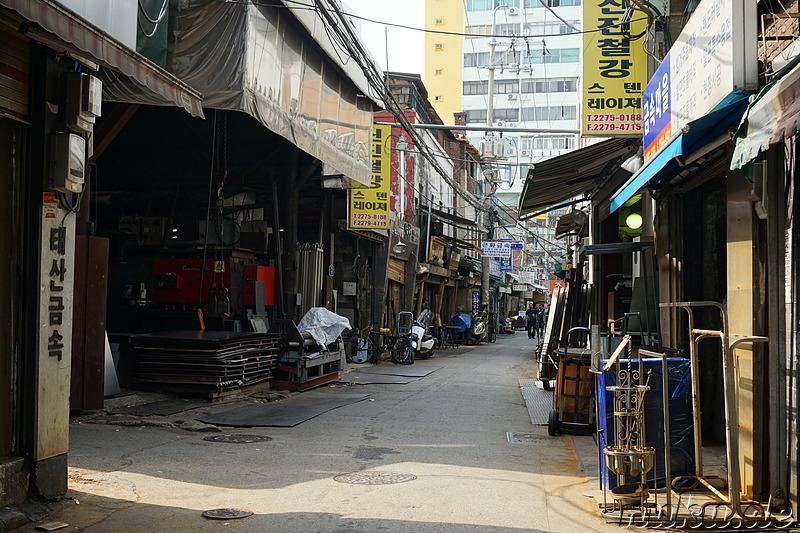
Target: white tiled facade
537, 72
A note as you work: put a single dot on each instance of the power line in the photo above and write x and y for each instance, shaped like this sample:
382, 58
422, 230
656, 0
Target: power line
423, 30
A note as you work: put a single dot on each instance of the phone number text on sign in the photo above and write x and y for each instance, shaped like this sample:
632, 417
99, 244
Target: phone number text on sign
614, 127
364, 219
635, 117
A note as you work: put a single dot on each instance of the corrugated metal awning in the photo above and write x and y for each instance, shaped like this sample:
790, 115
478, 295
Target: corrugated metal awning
106, 50
567, 176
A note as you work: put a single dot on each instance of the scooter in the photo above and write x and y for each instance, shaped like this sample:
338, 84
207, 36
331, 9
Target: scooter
421, 341
478, 331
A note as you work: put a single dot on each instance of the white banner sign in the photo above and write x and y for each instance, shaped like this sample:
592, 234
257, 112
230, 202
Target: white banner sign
519, 287
527, 275
496, 248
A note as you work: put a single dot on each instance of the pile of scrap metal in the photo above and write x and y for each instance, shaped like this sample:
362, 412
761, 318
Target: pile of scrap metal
206, 362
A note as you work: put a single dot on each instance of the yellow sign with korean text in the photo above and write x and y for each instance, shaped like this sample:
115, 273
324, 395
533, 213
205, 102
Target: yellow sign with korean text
614, 70
368, 207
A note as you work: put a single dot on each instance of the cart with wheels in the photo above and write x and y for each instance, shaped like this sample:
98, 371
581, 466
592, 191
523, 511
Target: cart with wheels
573, 400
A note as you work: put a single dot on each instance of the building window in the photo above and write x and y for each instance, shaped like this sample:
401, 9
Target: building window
438, 98
486, 5
565, 112
506, 86
439, 22
475, 87
480, 59
476, 116
551, 3
509, 115
556, 55
438, 46
543, 142
438, 72
549, 28
567, 85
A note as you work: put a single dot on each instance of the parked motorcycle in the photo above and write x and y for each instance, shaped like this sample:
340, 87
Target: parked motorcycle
479, 329
422, 342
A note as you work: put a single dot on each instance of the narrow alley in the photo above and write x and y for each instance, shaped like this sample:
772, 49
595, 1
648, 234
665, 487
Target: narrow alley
449, 429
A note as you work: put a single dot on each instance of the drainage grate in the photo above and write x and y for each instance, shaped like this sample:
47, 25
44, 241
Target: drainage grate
530, 438
238, 439
374, 477
538, 402
226, 514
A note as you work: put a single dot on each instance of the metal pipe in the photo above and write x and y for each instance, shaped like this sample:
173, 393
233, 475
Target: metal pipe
503, 129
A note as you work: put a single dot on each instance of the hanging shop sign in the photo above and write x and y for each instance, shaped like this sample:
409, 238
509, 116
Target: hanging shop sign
505, 263
476, 301
369, 206
614, 70
519, 287
703, 68
496, 248
556, 284
527, 275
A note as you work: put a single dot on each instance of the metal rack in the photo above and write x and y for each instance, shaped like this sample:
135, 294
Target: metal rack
629, 455
733, 497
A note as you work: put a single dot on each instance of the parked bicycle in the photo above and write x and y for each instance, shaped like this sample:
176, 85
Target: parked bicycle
366, 345
403, 349
361, 347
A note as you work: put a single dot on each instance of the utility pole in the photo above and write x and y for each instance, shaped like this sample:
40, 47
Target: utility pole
485, 281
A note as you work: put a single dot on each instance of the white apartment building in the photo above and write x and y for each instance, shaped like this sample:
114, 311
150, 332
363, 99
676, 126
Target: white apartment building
537, 67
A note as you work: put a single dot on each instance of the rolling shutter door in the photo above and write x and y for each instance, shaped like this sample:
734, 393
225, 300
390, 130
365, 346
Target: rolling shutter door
14, 76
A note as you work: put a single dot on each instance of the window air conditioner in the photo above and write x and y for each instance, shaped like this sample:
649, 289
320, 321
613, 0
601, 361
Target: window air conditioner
512, 96
525, 152
513, 11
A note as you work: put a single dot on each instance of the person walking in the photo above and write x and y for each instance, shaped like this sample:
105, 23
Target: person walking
539, 327
530, 320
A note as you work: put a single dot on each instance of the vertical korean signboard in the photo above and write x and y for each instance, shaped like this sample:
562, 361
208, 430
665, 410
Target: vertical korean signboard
56, 271
614, 70
714, 56
369, 206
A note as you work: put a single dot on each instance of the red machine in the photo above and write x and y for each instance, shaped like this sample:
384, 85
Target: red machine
189, 282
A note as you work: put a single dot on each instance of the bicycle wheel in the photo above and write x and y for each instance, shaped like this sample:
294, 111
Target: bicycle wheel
402, 352
360, 350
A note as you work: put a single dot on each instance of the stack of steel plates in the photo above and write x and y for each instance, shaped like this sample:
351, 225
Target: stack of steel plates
204, 361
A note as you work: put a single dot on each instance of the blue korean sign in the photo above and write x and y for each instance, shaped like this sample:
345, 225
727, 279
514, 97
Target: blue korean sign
657, 110
516, 246
505, 263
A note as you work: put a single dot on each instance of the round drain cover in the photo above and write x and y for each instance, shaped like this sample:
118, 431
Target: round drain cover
374, 477
226, 514
238, 439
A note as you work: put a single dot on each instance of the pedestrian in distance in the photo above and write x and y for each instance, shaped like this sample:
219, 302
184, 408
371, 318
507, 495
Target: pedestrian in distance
539, 320
530, 320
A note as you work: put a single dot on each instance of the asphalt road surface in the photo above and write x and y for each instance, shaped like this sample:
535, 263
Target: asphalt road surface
448, 430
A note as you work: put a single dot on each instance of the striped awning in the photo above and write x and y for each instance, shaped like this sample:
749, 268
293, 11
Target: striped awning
71, 28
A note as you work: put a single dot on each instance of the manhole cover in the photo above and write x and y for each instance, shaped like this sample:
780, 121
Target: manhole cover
226, 514
530, 438
374, 477
238, 439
